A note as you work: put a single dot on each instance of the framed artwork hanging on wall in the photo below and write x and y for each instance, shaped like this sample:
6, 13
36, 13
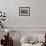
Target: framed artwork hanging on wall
24, 11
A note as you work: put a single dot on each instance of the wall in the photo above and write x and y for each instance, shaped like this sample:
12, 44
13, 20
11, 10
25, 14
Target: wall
35, 22
36, 19
38, 14
11, 8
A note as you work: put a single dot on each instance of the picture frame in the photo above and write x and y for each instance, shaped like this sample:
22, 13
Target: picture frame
24, 11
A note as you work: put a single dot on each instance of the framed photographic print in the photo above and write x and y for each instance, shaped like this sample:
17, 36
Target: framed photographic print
24, 11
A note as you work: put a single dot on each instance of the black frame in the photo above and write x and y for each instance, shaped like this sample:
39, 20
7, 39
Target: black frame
22, 8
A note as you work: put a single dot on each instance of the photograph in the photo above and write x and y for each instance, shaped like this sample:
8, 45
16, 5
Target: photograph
24, 11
